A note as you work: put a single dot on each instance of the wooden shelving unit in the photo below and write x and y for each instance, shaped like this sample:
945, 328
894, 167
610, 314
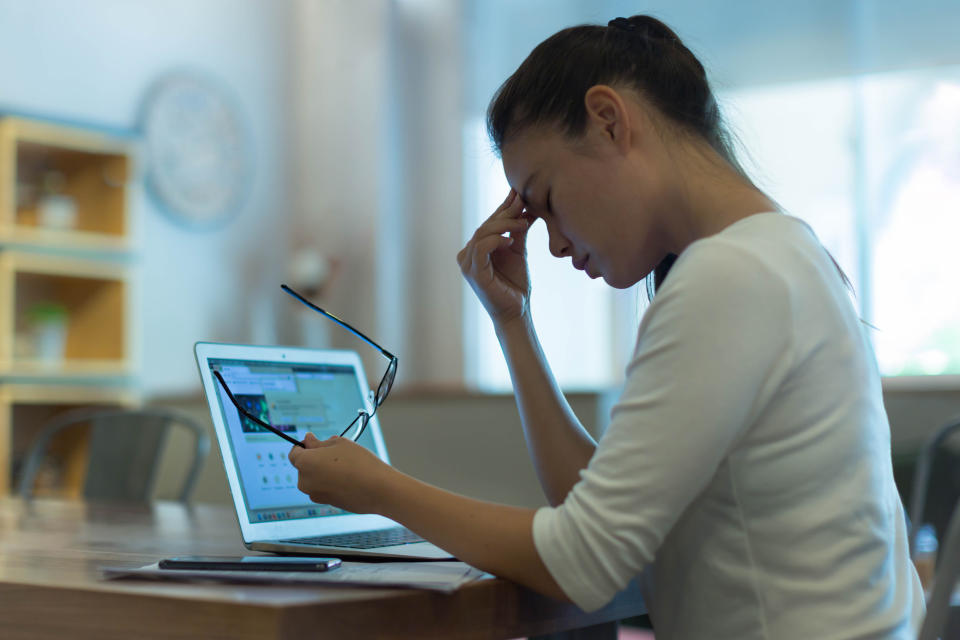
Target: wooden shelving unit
66, 243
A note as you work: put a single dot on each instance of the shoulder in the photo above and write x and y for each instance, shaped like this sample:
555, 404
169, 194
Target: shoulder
730, 287
748, 260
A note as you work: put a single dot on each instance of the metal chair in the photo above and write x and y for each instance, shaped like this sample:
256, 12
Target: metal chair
948, 564
124, 452
921, 476
944, 582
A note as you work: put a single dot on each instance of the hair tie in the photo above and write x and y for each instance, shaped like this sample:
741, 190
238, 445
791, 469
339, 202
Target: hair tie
622, 23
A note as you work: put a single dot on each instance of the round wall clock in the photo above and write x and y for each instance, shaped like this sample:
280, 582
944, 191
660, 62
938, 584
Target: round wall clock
197, 151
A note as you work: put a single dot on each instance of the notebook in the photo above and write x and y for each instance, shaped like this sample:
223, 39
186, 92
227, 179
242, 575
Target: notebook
296, 390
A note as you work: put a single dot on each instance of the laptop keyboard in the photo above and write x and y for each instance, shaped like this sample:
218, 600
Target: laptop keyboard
364, 539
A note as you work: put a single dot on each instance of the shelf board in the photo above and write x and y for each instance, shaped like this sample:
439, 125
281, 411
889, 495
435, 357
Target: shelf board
64, 137
62, 266
20, 236
65, 369
79, 394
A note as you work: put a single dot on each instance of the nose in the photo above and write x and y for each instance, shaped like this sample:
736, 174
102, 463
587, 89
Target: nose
559, 245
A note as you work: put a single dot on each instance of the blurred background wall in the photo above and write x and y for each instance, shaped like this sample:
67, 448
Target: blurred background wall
365, 129
92, 63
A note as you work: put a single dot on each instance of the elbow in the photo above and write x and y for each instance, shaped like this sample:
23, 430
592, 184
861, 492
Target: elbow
547, 586
556, 496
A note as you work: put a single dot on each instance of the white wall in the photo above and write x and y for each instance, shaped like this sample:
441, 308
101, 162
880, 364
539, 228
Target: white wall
378, 114
429, 85
92, 62
355, 112
339, 107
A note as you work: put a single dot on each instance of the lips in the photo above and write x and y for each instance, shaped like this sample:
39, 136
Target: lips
580, 264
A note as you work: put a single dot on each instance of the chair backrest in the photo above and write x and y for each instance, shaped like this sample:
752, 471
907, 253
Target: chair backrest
921, 477
948, 563
945, 581
124, 451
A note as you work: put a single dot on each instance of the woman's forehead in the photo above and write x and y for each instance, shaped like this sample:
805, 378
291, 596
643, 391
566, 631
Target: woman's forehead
528, 154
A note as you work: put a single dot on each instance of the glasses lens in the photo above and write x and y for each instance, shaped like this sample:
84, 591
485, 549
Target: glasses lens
387, 383
356, 429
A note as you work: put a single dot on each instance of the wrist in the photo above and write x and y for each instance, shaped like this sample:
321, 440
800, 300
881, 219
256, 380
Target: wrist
387, 489
521, 324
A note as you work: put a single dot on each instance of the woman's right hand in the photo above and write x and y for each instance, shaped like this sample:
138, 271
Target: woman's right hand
496, 265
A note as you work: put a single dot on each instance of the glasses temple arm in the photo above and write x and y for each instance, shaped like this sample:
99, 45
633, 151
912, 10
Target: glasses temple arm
252, 417
338, 321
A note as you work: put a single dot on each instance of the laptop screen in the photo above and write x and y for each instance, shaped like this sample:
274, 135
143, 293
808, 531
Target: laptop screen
295, 398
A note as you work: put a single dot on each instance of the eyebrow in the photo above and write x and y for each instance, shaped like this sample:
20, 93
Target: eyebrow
524, 195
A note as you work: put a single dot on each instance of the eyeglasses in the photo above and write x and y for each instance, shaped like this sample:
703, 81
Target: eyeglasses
359, 424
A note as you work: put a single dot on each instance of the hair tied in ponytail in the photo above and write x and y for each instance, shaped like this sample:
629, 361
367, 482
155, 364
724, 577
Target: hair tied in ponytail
622, 23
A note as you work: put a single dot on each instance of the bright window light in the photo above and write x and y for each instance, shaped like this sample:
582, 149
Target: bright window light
796, 146
913, 124
873, 164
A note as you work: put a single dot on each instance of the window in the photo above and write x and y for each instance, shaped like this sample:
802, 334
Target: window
873, 164
912, 127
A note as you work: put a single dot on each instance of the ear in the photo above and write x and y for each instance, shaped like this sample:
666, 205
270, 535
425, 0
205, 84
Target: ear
608, 117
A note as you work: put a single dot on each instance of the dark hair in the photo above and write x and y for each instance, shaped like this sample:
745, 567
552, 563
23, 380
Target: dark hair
640, 52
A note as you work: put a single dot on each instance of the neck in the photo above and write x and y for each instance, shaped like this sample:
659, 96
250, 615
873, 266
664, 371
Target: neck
708, 196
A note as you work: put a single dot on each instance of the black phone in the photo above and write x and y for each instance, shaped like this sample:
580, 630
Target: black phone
251, 563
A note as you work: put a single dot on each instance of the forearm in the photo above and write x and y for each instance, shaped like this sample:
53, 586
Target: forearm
492, 537
558, 443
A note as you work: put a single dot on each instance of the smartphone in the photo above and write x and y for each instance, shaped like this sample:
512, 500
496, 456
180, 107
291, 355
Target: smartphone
251, 563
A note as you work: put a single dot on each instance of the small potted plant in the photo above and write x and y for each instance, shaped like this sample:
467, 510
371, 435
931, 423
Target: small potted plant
48, 329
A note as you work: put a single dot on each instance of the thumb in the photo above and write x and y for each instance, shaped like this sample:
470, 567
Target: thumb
520, 237
311, 441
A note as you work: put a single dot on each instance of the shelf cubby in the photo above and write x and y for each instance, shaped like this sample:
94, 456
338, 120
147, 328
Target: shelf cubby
94, 297
89, 171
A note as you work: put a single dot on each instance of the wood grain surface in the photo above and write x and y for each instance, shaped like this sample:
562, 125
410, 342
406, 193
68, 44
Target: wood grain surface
50, 586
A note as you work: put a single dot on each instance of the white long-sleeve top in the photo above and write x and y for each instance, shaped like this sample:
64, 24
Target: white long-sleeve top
746, 471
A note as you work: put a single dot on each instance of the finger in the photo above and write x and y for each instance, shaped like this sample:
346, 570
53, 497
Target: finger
294, 454
310, 441
304, 487
471, 266
487, 246
511, 195
512, 208
488, 233
520, 235
500, 226
329, 442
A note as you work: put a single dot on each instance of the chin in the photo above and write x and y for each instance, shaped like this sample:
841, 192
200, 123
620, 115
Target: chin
619, 282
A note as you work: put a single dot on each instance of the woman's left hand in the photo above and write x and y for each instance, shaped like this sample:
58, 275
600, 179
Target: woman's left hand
341, 473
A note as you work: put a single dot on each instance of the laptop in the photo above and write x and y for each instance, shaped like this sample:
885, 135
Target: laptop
296, 390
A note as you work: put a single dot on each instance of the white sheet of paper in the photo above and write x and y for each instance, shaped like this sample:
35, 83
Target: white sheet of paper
436, 576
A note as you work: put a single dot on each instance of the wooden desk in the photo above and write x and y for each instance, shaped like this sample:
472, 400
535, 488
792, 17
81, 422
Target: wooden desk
50, 586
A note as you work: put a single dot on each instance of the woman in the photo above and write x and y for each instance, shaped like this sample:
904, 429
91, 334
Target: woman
746, 470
